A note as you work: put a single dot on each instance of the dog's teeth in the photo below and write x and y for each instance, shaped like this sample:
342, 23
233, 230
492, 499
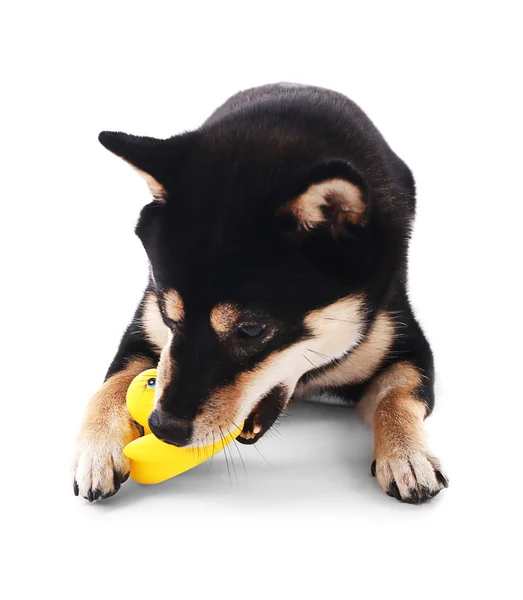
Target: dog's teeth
256, 429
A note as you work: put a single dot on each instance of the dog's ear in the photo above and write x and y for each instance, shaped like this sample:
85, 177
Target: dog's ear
331, 195
148, 156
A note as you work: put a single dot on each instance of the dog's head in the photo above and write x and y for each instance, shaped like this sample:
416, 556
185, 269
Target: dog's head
260, 256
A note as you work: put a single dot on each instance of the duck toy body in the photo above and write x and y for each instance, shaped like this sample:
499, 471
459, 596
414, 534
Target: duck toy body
152, 460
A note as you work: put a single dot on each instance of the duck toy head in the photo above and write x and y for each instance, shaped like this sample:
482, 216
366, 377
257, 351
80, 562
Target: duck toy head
152, 460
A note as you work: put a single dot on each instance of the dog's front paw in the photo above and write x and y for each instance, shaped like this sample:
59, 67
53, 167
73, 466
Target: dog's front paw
414, 477
100, 466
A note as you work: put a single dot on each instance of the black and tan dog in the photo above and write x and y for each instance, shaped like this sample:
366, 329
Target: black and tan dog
277, 238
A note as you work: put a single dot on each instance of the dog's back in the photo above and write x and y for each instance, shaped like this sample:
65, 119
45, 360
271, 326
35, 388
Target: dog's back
327, 121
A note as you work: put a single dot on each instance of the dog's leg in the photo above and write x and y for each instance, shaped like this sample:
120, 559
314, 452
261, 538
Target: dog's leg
100, 466
395, 404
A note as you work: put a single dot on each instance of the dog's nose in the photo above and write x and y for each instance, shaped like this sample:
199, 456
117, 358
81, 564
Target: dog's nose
170, 430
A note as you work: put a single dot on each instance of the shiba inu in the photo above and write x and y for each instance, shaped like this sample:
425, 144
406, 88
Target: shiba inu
277, 237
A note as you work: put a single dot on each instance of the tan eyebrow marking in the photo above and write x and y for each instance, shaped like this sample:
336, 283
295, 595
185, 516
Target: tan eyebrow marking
224, 316
173, 305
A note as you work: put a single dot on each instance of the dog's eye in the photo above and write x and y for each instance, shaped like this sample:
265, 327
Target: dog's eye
250, 332
151, 382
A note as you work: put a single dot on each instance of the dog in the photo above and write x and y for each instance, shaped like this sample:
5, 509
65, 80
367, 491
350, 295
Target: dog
277, 238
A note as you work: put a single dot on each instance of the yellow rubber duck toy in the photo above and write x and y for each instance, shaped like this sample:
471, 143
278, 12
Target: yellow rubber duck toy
152, 460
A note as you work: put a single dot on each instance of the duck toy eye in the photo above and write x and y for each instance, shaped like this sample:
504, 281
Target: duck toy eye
151, 382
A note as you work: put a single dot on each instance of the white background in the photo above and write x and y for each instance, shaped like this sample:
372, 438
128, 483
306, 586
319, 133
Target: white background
441, 81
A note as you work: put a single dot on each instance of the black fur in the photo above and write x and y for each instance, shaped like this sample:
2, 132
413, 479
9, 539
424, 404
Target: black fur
216, 234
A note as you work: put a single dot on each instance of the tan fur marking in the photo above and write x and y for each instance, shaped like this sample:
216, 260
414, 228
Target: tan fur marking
107, 427
224, 316
173, 304
398, 423
360, 364
402, 455
401, 376
336, 316
109, 401
155, 329
166, 368
307, 208
156, 188
334, 329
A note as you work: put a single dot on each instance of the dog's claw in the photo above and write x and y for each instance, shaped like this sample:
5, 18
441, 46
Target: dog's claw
93, 495
96, 494
415, 498
427, 494
442, 479
101, 466
373, 468
394, 491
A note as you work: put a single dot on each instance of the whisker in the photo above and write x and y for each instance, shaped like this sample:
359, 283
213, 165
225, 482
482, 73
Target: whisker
260, 453
231, 457
205, 445
273, 435
233, 464
226, 460
275, 432
213, 453
324, 374
237, 446
321, 354
342, 320
310, 361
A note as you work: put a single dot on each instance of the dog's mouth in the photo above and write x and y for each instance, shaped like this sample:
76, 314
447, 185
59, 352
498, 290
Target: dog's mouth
264, 415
